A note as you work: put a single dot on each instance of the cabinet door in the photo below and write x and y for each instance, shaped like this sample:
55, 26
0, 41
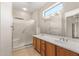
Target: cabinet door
38, 45
65, 52
43, 48
50, 49
34, 42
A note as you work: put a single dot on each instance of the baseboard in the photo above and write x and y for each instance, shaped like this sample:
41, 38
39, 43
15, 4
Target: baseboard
22, 46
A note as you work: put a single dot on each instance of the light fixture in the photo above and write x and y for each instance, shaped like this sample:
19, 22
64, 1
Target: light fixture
25, 9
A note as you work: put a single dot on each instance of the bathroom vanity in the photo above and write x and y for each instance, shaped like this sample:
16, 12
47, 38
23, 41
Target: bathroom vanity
50, 45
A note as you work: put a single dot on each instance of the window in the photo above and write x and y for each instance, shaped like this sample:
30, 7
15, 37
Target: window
53, 10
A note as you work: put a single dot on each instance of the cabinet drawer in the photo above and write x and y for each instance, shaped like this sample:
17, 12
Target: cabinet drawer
34, 42
43, 47
50, 49
38, 45
42, 42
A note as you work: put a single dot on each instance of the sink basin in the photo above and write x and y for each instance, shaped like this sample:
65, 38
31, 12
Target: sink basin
62, 40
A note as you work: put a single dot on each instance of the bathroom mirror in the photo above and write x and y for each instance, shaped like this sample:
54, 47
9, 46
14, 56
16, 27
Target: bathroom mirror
75, 30
72, 26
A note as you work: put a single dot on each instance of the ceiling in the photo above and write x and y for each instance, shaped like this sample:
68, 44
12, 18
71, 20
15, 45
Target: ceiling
31, 6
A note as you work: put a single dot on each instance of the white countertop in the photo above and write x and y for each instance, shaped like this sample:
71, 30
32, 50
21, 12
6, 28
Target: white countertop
68, 43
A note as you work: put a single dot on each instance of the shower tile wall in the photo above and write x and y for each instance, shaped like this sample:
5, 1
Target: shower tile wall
52, 25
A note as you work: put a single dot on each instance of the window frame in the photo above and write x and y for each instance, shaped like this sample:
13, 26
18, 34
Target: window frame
50, 8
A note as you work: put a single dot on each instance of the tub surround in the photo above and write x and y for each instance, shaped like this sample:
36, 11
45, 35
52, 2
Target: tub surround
64, 42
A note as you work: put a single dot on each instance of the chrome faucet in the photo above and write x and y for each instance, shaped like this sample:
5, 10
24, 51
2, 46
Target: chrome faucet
63, 39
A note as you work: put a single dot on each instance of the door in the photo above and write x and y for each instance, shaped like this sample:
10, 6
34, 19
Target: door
38, 45
6, 30
65, 52
34, 42
50, 49
43, 48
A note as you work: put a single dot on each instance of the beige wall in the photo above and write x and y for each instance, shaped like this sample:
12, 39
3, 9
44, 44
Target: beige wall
70, 6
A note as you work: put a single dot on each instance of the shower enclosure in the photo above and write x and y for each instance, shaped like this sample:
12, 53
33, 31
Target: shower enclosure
22, 32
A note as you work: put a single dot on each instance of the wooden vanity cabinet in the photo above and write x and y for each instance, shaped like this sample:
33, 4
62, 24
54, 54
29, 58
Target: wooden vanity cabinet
64, 52
34, 42
43, 48
38, 48
50, 49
